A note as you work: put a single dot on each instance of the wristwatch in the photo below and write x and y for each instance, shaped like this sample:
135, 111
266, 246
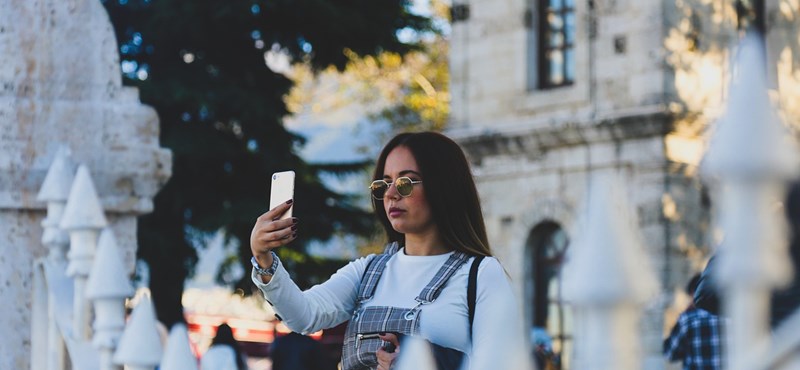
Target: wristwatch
265, 272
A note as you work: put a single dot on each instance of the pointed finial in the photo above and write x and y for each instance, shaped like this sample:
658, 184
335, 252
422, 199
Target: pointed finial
140, 344
83, 209
749, 139
108, 278
606, 264
59, 178
178, 355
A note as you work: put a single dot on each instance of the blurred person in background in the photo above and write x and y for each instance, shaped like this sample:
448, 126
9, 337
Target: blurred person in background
784, 301
224, 353
294, 351
425, 198
697, 337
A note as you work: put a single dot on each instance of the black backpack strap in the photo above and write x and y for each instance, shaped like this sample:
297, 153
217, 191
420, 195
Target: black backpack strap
472, 289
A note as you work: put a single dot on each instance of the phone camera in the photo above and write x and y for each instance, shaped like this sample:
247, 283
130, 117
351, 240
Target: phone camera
274, 177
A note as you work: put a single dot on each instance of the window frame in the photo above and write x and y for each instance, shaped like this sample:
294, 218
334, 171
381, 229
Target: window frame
545, 270
544, 49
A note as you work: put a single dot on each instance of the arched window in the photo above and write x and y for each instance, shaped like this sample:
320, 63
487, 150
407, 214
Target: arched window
552, 317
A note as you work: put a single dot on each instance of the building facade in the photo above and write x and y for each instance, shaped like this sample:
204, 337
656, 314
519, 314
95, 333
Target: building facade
546, 93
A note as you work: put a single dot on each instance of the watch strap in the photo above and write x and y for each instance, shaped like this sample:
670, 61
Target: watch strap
268, 271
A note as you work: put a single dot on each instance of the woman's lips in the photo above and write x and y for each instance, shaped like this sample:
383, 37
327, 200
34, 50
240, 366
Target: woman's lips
395, 212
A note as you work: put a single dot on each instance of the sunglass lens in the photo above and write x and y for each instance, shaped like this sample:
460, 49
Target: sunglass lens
404, 186
378, 189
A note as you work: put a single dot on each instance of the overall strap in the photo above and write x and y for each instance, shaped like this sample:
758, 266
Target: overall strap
434, 287
472, 289
369, 281
391, 248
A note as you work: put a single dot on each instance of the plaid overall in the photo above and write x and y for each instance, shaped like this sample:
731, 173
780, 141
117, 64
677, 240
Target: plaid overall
361, 339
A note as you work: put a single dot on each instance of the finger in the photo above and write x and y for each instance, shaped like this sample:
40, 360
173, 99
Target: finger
281, 209
267, 234
277, 236
391, 338
274, 242
264, 225
385, 359
268, 226
276, 212
281, 233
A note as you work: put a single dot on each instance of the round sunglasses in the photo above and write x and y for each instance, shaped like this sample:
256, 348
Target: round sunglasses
404, 186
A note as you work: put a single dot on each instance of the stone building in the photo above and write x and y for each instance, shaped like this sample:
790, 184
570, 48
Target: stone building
546, 93
60, 85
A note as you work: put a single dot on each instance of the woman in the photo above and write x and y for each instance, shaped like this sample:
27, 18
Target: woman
224, 353
425, 198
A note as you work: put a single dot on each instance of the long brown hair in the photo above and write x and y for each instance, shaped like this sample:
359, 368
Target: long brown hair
449, 189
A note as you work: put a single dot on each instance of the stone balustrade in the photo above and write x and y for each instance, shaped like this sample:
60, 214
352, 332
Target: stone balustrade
91, 281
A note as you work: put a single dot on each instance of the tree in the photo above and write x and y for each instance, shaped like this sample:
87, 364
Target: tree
201, 65
402, 91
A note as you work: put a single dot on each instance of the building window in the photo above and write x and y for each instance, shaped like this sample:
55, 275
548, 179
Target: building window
552, 316
556, 43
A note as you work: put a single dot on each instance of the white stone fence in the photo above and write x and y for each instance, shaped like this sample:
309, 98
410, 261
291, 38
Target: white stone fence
81, 289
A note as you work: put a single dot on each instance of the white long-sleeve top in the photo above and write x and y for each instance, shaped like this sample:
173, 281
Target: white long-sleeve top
497, 326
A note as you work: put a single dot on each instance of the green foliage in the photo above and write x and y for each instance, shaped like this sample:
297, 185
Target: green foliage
201, 65
400, 92
425, 104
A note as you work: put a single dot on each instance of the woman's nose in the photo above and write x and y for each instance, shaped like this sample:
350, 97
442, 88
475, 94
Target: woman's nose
391, 192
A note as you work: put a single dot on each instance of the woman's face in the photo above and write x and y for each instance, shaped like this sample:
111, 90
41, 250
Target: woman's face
411, 214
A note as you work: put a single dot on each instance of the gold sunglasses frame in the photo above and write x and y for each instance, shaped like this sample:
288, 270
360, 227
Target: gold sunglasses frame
389, 185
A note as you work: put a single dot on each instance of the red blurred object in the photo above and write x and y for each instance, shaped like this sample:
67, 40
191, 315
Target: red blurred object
255, 336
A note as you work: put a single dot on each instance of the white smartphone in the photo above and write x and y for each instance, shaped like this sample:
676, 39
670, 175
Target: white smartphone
282, 189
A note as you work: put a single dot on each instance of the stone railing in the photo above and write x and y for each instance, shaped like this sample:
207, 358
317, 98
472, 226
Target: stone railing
83, 278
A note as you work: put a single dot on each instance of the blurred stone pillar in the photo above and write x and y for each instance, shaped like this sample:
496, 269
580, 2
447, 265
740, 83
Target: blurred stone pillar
60, 84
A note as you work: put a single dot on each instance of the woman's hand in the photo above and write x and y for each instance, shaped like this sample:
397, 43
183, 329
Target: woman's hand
269, 233
386, 358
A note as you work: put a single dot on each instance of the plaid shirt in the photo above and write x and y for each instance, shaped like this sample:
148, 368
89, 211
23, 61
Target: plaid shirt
697, 340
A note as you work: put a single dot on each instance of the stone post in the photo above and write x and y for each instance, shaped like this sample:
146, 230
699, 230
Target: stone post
108, 288
750, 159
83, 219
60, 84
55, 191
607, 279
